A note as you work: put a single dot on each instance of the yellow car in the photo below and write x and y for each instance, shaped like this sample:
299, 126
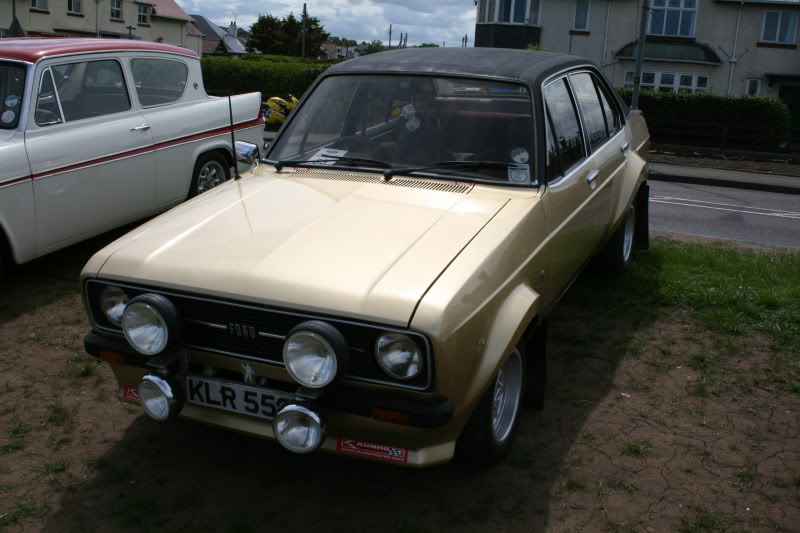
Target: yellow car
379, 286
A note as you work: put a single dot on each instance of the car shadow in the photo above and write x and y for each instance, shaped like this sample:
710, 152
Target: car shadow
51, 277
182, 476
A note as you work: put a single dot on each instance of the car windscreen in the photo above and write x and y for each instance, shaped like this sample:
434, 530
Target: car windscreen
414, 121
12, 87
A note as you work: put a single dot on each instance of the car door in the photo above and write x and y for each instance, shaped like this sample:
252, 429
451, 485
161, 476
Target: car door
90, 150
576, 200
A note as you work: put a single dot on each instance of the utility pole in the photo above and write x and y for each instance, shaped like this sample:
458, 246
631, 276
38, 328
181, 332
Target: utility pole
304, 31
390, 36
637, 80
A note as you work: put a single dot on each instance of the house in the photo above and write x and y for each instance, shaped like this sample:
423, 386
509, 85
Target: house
218, 40
150, 20
723, 46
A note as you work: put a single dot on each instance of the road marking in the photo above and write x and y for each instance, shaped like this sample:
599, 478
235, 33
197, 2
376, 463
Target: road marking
726, 205
778, 214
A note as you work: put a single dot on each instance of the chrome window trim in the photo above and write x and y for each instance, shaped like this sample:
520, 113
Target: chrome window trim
396, 384
48, 72
578, 167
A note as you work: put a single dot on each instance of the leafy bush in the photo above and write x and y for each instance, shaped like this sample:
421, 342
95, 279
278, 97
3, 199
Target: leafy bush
724, 110
221, 74
275, 58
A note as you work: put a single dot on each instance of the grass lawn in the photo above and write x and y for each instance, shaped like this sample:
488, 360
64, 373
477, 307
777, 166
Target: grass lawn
673, 404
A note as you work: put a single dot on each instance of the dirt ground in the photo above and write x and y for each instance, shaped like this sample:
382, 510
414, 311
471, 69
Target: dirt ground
636, 435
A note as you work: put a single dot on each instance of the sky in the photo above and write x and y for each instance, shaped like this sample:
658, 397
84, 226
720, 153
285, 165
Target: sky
425, 21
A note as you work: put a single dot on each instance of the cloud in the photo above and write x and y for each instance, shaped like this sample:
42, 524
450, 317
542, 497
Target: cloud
434, 21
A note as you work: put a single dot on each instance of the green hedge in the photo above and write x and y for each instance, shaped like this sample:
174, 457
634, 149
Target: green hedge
270, 58
759, 112
222, 74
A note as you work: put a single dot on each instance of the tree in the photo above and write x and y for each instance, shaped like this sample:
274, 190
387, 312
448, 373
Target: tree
266, 34
428, 45
373, 47
341, 41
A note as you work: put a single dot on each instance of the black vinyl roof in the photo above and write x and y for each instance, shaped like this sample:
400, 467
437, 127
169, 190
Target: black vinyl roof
522, 65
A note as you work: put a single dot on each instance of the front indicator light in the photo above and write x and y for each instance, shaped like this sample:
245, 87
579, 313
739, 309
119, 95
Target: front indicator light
298, 428
160, 398
398, 355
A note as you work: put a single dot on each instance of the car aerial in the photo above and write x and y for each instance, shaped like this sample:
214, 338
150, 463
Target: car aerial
96, 133
379, 286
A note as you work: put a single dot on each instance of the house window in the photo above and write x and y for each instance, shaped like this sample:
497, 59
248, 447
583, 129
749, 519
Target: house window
74, 6
39, 4
779, 27
142, 14
512, 11
673, 17
581, 15
753, 87
670, 81
116, 9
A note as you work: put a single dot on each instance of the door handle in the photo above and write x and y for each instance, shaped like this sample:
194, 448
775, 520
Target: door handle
593, 176
624, 147
140, 128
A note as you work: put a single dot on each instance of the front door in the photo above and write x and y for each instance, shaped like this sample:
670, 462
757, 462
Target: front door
90, 150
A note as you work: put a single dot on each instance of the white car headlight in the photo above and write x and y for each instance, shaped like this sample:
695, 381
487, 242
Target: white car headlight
315, 353
112, 302
398, 355
149, 322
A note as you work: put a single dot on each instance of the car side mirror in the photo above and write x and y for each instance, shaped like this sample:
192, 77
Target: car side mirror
247, 153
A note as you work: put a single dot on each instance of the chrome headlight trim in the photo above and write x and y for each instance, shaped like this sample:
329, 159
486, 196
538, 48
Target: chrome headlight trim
294, 413
161, 399
150, 323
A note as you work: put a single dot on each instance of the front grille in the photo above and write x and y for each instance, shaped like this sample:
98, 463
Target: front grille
211, 325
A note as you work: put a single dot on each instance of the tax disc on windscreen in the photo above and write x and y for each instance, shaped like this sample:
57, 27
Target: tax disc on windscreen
412, 124
12, 100
518, 175
7, 117
409, 111
520, 155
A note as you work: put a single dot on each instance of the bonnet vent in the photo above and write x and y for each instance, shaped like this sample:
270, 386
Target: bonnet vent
434, 185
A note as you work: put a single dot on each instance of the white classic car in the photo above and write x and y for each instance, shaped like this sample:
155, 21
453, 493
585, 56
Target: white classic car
96, 133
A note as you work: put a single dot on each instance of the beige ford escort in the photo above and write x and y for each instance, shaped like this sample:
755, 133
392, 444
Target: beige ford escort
379, 286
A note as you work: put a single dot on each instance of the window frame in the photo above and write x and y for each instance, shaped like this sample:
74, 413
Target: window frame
142, 11
588, 15
49, 72
781, 14
747, 84
125, 81
118, 3
151, 58
566, 172
676, 86
71, 7
494, 18
39, 4
666, 8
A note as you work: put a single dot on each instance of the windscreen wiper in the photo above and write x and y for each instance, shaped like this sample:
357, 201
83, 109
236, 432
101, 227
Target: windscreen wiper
387, 175
334, 158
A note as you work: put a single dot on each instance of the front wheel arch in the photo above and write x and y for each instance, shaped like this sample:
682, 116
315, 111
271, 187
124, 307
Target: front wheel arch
223, 156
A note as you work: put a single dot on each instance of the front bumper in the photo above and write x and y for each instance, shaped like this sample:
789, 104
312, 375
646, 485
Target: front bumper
412, 425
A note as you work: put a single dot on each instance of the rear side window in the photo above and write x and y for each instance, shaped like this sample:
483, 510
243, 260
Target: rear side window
158, 81
81, 90
612, 115
591, 108
566, 127
12, 87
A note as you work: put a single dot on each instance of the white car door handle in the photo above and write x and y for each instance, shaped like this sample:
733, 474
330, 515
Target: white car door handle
140, 128
593, 176
624, 147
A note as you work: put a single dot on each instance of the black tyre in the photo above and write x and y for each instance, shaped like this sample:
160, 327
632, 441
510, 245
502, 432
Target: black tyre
210, 170
487, 436
616, 256
536, 367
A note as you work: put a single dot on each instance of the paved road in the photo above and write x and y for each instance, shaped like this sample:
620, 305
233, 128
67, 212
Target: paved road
723, 213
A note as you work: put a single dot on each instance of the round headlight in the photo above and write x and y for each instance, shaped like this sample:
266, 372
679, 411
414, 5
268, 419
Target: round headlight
149, 322
398, 355
160, 399
315, 354
113, 301
298, 428
145, 328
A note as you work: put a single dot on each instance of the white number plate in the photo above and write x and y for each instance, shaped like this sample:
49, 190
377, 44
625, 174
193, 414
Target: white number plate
234, 397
